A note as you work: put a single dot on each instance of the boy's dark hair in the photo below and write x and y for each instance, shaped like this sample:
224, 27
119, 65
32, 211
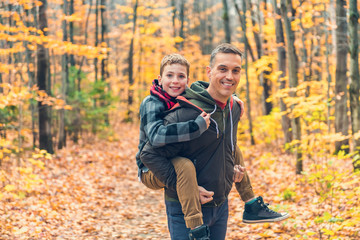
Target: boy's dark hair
224, 48
174, 58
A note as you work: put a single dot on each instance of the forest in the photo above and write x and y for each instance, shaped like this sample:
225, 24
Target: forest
74, 73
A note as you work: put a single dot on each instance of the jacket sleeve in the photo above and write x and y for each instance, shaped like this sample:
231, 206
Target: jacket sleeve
158, 161
159, 134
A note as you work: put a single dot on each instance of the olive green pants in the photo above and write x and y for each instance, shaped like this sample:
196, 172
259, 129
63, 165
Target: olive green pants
187, 187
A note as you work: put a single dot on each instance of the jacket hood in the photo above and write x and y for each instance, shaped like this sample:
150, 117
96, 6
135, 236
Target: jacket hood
198, 95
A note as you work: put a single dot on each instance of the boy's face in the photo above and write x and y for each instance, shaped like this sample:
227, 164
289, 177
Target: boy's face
174, 79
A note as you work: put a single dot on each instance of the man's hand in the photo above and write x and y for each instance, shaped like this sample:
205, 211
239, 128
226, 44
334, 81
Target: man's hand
239, 172
241, 103
205, 195
206, 116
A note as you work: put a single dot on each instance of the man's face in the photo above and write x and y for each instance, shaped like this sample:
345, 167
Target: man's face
174, 79
224, 76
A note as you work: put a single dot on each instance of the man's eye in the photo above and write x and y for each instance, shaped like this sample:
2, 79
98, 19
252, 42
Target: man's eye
223, 69
236, 71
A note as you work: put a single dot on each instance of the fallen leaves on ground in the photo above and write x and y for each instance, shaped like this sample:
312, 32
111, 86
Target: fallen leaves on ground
91, 191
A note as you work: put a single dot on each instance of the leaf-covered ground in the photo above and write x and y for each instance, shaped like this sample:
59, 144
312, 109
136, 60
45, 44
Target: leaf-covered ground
91, 191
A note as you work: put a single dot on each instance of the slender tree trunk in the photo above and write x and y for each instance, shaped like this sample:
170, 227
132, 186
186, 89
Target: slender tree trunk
354, 76
104, 72
242, 23
129, 117
71, 32
45, 136
173, 5
226, 21
243, 26
182, 22
341, 117
286, 7
85, 43
96, 37
281, 52
209, 31
65, 76
259, 40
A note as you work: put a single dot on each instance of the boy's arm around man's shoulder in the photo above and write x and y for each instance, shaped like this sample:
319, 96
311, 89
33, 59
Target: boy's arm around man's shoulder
159, 134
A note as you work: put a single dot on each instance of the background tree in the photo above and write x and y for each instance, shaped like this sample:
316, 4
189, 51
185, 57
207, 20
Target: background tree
354, 88
226, 22
281, 55
130, 67
341, 109
45, 134
286, 10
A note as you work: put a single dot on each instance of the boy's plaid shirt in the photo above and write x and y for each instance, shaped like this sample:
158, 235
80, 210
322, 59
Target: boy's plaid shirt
152, 128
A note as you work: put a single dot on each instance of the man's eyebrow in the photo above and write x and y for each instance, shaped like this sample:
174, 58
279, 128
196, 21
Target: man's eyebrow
222, 65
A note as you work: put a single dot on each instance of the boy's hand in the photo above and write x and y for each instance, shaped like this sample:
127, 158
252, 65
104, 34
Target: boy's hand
239, 172
205, 196
207, 118
241, 103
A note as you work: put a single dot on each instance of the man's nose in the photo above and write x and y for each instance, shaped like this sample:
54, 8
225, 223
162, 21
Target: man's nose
229, 75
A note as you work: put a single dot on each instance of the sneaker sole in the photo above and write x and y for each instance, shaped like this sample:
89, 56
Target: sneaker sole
267, 220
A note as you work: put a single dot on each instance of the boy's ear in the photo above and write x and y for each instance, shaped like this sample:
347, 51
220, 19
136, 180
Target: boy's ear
159, 78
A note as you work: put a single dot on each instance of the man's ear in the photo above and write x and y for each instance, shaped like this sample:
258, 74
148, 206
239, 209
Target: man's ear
208, 71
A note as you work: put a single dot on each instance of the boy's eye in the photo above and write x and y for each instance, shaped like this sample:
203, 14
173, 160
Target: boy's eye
169, 75
181, 76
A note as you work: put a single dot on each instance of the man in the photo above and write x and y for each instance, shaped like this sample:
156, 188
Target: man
213, 153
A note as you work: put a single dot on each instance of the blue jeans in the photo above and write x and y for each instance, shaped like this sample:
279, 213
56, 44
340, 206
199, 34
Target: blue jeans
215, 217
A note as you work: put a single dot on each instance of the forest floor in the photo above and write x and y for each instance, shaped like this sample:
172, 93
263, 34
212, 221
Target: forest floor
91, 191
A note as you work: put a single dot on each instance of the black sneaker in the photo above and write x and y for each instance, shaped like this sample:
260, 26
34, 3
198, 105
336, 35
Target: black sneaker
200, 233
258, 212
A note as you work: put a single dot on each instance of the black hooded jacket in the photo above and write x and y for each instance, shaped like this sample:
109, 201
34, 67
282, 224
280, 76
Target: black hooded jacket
213, 152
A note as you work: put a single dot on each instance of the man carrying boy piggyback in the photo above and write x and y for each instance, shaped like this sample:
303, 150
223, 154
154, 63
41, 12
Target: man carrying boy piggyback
179, 174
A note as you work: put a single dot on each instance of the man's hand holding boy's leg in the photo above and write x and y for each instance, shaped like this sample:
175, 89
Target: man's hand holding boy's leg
205, 195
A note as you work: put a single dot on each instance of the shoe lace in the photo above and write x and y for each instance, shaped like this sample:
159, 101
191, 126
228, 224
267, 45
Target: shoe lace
265, 206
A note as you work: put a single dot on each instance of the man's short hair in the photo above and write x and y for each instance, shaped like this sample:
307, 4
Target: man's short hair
174, 58
224, 48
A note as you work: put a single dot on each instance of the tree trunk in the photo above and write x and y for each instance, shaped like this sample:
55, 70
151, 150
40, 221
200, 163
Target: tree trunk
242, 15
71, 32
354, 76
263, 76
65, 76
96, 37
173, 5
341, 117
129, 117
182, 21
242, 24
104, 72
226, 21
209, 31
281, 52
45, 136
286, 7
